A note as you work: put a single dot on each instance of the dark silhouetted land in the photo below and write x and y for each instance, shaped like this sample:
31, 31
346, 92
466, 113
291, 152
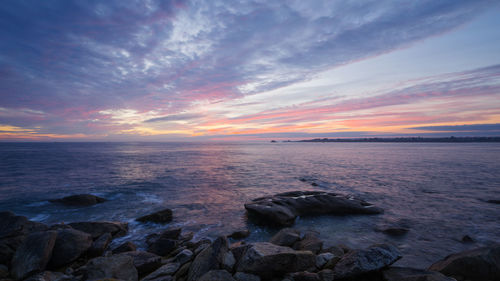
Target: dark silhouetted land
410, 139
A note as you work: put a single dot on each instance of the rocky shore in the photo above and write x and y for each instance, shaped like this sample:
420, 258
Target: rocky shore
81, 250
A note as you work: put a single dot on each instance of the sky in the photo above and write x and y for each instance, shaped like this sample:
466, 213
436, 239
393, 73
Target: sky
248, 70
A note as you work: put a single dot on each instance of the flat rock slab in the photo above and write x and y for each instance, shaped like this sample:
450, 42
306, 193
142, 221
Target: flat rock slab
359, 262
283, 208
477, 264
413, 274
34, 254
268, 260
79, 200
98, 228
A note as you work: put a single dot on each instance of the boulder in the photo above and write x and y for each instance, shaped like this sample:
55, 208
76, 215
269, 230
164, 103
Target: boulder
310, 242
100, 245
163, 273
49, 276
217, 275
228, 261
477, 264
323, 259
171, 233
183, 271
240, 234
162, 216
359, 262
286, 237
79, 200
326, 275
208, 259
305, 276
412, 274
124, 247
163, 246
117, 266
69, 246
268, 260
13, 230
283, 208
4, 271
183, 256
33, 254
98, 228
241, 276
144, 262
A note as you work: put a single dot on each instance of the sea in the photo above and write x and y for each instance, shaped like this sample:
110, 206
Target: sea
440, 191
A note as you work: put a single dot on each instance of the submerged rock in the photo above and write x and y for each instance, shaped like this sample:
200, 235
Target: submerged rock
70, 245
477, 264
33, 254
413, 274
162, 216
283, 208
79, 200
268, 260
359, 262
98, 228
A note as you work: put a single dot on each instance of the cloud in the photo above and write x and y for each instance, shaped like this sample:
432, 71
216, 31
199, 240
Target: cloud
175, 117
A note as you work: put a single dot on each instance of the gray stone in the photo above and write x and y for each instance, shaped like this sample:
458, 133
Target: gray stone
98, 228
310, 242
79, 200
477, 264
323, 259
305, 276
183, 271
326, 275
70, 245
217, 275
162, 246
184, 256
412, 274
144, 262
50, 276
117, 266
242, 276
162, 216
268, 260
165, 271
283, 208
363, 261
124, 247
100, 245
33, 254
208, 259
228, 262
286, 237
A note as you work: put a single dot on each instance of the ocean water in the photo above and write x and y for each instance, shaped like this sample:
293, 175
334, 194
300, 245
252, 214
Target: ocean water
438, 189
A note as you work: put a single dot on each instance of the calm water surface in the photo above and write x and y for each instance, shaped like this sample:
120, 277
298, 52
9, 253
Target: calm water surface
439, 190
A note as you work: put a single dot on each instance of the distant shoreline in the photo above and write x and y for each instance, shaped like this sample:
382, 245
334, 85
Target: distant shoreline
407, 139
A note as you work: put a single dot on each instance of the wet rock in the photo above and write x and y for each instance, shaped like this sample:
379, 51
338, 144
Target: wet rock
163, 273
241, 276
239, 234
477, 264
217, 275
13, 230
117, 266
33, 254
4, 271
359, 262
323, 259
412, 274
162, 216
310, 242
79, 200
124, 247
283, 208
144, 262
267, 260
183, 271
228, 261
100, 245
99, 228
50, 276
467, 239
286, 237
305, 276
69, 246
208, 259
183, 256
